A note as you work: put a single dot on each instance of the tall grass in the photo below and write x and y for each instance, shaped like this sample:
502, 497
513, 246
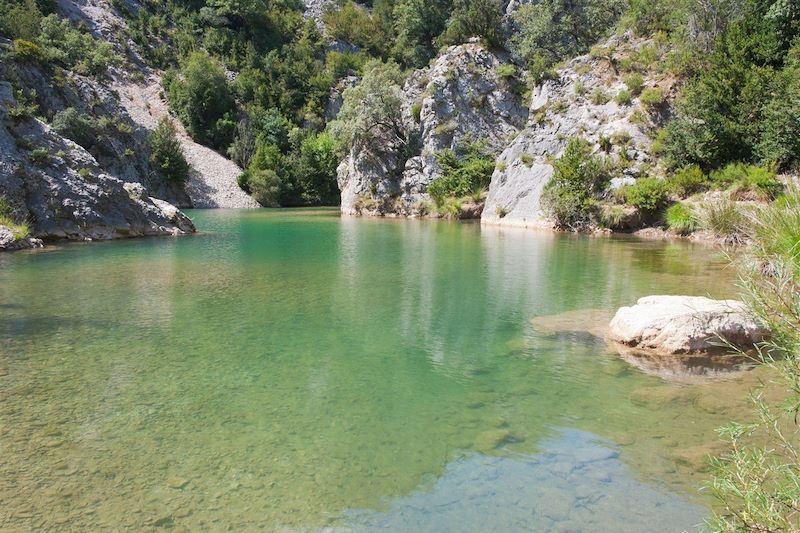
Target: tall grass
758, 481
20, 230
723, 218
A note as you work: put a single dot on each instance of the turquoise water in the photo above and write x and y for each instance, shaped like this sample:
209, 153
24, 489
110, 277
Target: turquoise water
291, 369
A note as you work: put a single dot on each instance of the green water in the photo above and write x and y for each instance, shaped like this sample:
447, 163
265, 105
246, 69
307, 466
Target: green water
295, 370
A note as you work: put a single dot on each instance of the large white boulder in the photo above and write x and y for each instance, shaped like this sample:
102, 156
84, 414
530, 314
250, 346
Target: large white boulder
685, 324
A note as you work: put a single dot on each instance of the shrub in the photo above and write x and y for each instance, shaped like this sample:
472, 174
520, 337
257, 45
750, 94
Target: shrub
688, 180
27, 51
578, 176
647, 194
263, 184
73, 49
466, 171
749, 178
755, 482
506, 71
39, 156
416, 111
551, 30
681, 219
612, 216
623, 97
203, 101
355, 24
372, 110
475, 18
20, 19
652, 97
75, 126
166, 153
599, 97
634, 83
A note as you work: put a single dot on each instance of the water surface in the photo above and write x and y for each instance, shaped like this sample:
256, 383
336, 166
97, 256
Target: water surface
290, 369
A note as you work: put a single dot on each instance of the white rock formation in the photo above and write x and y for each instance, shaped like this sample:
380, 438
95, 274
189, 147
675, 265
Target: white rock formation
685, 325
461, 96
580, 103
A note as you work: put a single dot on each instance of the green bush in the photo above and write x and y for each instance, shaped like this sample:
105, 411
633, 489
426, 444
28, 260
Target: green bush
647, 194
652, 97
681, 219
634, 83
39, 156
166, 153
76, 127
551, 30
372, 109
688, 180
73, 49
599, 97
723, 218
264, 185
755, 481
613, 217
27, 50
623, 97
748, 178
200, 95
475, 18
355, 24
20, 19
466, 171
578, 177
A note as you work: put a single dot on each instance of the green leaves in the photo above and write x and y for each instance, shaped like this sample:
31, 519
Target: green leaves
569, 196
466, 171
166, 153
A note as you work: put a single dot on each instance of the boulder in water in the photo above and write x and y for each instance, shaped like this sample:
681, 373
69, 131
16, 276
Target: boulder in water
685, 325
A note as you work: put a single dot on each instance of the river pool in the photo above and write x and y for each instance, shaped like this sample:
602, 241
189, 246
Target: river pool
294, 370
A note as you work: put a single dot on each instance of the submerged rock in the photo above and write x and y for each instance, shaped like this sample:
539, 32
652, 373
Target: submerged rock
685, 325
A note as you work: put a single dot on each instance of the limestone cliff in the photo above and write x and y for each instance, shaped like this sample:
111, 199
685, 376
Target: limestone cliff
462, 95
470, 93
64, 192
581, 101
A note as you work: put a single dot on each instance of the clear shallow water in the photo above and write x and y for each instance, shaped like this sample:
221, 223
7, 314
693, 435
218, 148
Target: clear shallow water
291, 369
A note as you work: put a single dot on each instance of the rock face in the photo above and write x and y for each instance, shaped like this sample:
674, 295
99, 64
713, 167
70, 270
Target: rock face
62, 190
580, 102
462, 96
684, 325
137, 95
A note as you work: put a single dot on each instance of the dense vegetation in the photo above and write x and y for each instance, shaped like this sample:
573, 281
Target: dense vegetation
758, 481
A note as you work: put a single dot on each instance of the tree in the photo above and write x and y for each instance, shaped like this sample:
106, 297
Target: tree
201, 96
551, 30
371, 110
419, 23
475, 18
166, 153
